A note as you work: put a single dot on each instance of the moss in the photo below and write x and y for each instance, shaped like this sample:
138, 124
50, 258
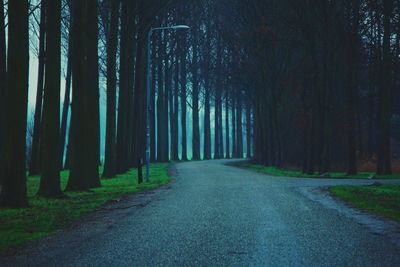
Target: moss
46, 216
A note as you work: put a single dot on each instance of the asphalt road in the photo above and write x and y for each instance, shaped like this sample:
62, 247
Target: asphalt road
218, 215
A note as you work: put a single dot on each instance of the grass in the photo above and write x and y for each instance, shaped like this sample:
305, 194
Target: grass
287, 173
382, 200
47, 216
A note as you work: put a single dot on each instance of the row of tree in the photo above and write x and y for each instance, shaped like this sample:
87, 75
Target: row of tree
192, 86
324, 77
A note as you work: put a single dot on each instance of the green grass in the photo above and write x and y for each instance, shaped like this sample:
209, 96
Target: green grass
381, 199
287, 173
46, 216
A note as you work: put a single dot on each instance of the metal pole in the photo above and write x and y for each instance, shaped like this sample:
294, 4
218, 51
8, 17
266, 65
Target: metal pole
148, 106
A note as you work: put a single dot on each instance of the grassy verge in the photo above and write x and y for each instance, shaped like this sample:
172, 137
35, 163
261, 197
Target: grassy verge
381, 199
338, 175
46, 216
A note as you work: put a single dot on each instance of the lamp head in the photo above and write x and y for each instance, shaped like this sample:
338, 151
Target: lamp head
180, 27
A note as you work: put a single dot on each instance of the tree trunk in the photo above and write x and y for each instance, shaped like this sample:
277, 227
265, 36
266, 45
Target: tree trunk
93, 116
153, 137
13, 191
175, 114
234, 136
165, 114
227, 128
34, 164
183, 90
195, 100
218, 152
66, 104
3, 86
207, 127
160, 100
125, 107
239, 139
385, 106
84, 172
50, 140
248, 130
112, 43
139, 134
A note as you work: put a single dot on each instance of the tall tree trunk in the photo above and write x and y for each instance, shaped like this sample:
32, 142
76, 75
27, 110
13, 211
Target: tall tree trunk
352, 86
207, 126
385, 106
175, 114
183, 90
218, 153
195, 99
93, 116
239, 127
34, 164
153, 137
233, 108
67, 102
50, 140
227, 128
160, 100
13, 191
139, 135
165, 117
125, 108
112, 43
248, 130
3, 86
84, 172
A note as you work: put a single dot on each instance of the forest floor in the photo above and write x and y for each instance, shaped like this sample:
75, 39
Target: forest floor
47, 216
214, 214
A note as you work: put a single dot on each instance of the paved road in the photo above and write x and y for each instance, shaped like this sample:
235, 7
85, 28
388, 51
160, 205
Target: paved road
218, 215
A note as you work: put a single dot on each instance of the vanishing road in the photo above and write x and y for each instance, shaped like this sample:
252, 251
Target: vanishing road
214, 214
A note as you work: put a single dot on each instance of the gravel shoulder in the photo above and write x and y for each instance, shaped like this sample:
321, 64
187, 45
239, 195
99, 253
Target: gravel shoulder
213, 214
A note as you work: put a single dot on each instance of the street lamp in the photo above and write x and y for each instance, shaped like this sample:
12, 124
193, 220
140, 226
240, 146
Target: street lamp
177, 27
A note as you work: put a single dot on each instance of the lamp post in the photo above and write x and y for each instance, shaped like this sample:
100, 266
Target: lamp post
177, 27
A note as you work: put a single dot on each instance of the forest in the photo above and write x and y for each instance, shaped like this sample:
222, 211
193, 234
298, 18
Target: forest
306, 85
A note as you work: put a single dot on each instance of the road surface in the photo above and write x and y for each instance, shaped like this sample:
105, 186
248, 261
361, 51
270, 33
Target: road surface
214, 214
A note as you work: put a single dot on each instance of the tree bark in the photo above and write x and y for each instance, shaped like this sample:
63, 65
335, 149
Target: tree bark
227, 128
13, 191
195, 100
207, 126
112, 43
239, 139
125, 101
384, 166
34, 165
3, 86
84, 172
93, 116
67, 103
248, 130
153, 118
234, 136
50, 140
161, 142
175, 114
183, 90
